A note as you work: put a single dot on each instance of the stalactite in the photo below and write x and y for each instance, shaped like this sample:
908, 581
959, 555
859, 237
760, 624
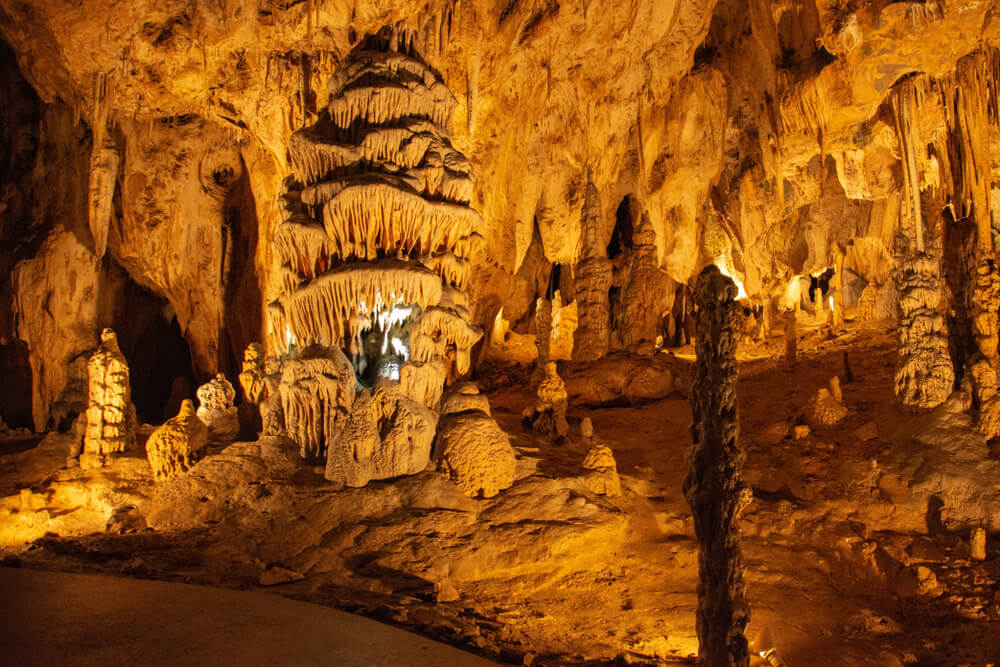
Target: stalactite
904, 104
714, 485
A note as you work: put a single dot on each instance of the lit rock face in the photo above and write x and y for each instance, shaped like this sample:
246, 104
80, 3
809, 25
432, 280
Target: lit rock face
171, 448
472, 448
317, 391
111, 420
386, 435
216, 409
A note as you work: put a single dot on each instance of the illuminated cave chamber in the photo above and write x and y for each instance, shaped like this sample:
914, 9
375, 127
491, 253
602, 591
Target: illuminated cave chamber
375, 248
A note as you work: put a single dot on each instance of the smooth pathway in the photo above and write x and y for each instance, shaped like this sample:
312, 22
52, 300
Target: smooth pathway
53, 618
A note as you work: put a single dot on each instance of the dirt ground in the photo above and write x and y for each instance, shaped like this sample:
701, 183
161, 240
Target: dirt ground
856, 543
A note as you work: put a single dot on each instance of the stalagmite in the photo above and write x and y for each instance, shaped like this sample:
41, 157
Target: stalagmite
601, 475
714, 485
111, 420
317, 392
643, 293
924, 374
473, 449
543, 337
593, 278
385, 435
216, 409
251, 380
375, 251
549, 414
172, 448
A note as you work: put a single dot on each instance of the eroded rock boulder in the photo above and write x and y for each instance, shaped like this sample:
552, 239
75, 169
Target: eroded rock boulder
601, 471
173, 447
385, 435
476, 453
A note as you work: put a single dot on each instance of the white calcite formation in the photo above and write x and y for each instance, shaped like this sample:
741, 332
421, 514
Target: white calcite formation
471, 447
173, 447
111, 420
386, 435
317, 392
216, 409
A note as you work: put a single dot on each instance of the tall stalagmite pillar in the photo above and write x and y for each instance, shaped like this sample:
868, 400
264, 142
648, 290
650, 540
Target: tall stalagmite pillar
593, 278
714, 484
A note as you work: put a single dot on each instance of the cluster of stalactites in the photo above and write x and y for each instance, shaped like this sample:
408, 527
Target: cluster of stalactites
321, 310
377, 176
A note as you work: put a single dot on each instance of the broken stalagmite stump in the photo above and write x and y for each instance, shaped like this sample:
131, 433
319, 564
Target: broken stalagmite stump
714, 485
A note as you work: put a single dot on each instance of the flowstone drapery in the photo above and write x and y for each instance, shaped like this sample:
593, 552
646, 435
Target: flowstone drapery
714, 485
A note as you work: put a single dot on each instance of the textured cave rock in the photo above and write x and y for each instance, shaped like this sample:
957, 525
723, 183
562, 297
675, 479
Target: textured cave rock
111, 420
924, 372
548, 416
471, 447
385, 435
173, 447
216, 409
601, 475
317, 391
714, 485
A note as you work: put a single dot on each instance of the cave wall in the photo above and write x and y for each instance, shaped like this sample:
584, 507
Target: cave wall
757, 133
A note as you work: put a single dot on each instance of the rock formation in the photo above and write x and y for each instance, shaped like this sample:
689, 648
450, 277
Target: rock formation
924, 373
252, 383
216, 409
378, 231
549, 414
111, 420
472, 448
824, 409
317, 391
601, 475
173, 447
714, 485
385, 435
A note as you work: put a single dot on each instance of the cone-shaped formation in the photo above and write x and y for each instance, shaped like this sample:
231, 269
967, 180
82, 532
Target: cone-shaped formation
376, 181
374, 253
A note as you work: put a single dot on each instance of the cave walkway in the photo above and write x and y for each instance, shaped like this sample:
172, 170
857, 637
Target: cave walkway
52, 618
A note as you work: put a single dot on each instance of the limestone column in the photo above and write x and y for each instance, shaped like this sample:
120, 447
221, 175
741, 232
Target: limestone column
714, 485
592, 280
111, 419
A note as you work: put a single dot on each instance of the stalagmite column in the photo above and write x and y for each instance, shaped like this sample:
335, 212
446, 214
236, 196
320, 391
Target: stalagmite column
593, 278
714, 484
543, 338
924, 374
111, 419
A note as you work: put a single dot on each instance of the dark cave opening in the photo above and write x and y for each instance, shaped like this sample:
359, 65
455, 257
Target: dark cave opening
15, 392
151, 339
621, 236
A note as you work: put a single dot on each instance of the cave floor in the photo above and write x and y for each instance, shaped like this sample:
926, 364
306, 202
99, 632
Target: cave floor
856, 543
